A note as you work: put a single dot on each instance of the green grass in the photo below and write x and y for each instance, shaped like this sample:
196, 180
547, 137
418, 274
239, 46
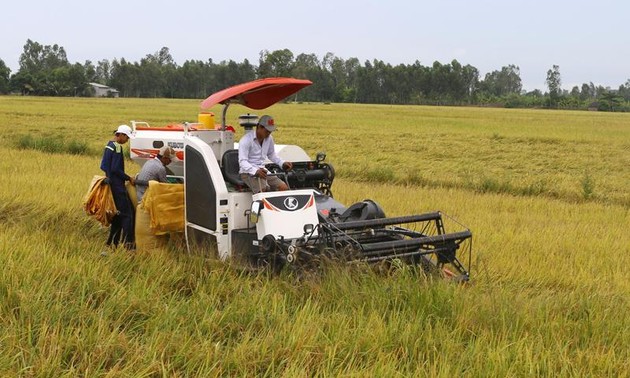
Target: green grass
547, 204
52, 145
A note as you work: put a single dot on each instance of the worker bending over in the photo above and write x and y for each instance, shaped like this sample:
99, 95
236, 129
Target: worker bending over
154, 169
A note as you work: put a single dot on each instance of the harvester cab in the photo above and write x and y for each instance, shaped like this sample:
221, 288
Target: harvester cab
294, 226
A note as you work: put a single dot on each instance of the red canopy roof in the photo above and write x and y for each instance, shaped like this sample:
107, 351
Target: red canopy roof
257, 94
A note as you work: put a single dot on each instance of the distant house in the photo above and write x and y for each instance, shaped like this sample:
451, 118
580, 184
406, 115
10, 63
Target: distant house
101, 90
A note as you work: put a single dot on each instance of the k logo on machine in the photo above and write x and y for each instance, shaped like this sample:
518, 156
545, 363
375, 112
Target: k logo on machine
291, 203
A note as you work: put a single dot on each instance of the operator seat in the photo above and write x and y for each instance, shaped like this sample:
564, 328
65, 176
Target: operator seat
230, 168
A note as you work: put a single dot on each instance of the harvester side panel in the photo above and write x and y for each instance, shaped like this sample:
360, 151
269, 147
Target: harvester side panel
206, 194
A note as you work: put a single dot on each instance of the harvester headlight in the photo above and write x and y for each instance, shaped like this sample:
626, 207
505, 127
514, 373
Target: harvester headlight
308, 229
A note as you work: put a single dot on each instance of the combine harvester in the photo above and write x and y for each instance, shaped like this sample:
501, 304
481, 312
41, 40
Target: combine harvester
294, 226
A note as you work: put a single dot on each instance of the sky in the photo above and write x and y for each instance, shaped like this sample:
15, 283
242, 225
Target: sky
588, 40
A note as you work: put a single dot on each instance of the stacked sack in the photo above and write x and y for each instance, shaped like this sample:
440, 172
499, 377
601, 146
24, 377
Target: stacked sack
165, 204
160, 213
99, 202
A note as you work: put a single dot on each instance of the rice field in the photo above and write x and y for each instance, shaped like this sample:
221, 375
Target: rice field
545, 193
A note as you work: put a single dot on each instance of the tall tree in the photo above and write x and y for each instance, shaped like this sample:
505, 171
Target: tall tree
78, 78
587, 92
37, 58
470, 81
163, 57
366, 84
276, 63
194, 79
37, 66
440, 83
67, 81
418, 82
339, 79
156, 72
624, 90
324, 80
90, 71
124, 77
610, 101
504, 82
308, 66
151, 82
351, 67
246, 72
554, 83
23, 83
103, 72
5, 74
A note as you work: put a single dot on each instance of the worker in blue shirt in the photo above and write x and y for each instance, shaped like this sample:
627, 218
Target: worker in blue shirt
113, 164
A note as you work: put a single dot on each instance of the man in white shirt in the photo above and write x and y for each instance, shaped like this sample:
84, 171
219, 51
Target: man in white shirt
253, 149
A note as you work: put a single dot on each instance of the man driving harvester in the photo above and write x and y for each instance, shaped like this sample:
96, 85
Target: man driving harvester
253, 148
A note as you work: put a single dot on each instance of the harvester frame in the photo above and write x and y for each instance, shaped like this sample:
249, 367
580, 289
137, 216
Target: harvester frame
295, 226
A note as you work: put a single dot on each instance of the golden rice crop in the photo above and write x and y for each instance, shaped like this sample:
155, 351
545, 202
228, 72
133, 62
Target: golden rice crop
549, 289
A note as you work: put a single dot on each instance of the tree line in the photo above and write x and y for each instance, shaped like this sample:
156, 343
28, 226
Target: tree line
45, 70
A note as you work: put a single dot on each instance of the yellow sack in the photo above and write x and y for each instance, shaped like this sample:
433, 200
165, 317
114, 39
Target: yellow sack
165, 204
131, 193
99, 201
147, 241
